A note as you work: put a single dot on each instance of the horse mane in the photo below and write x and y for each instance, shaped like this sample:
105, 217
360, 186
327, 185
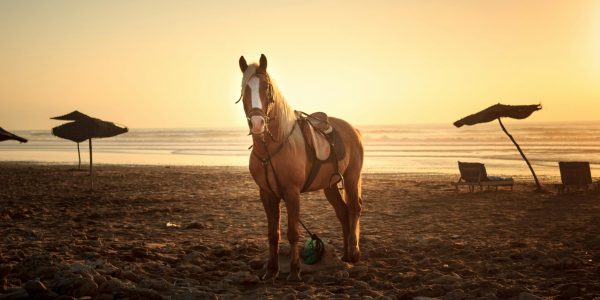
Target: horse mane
284, 114
282, 111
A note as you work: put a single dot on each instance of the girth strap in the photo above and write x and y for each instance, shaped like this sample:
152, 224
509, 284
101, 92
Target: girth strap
314, 169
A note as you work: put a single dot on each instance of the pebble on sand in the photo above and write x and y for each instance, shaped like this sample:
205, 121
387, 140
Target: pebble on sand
528, 296
35, 287
242, 277
14, 294
76, 287
4, 271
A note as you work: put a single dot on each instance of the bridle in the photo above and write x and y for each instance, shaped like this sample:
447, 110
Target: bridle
255, 111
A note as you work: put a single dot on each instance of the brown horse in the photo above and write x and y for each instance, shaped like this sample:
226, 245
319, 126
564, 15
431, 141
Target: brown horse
280, 166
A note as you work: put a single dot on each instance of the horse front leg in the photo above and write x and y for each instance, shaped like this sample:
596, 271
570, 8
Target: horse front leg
272, 209
341, 211
292, 205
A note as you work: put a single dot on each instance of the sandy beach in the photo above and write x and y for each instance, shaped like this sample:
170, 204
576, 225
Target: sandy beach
156, 232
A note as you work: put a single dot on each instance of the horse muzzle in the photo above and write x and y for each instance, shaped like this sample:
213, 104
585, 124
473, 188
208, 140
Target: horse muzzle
257, 124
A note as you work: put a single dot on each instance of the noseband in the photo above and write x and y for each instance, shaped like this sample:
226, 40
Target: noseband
255, 111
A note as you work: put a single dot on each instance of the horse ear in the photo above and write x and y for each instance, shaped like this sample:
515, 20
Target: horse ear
243, 64
262, 63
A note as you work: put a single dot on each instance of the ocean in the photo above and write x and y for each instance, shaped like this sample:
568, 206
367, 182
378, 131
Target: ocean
388, 149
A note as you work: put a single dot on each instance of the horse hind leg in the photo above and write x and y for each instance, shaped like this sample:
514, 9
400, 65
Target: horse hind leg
353, 195
341, 210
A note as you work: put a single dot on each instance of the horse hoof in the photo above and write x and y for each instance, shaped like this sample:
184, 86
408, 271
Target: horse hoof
270, 275
354, 256
295, 277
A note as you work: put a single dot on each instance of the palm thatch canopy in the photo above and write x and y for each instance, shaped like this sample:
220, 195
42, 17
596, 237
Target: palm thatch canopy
5, 135
498, 111
84, 129
72, 116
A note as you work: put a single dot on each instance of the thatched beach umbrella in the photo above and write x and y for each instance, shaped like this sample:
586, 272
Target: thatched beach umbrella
74, 116
85, 128
5, 135
499, 111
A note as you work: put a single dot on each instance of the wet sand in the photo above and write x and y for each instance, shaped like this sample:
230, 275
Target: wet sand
154, 232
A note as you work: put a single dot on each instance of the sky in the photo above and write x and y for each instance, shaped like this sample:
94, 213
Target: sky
168, 64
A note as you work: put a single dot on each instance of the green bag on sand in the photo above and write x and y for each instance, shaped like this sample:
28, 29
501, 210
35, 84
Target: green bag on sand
313, 250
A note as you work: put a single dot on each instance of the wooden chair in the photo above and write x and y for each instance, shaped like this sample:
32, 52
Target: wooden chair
575, 175
474, 174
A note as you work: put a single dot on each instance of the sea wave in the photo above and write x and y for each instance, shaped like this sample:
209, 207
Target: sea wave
402, 148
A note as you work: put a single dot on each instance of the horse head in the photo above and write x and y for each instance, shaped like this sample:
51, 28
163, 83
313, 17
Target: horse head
257, 94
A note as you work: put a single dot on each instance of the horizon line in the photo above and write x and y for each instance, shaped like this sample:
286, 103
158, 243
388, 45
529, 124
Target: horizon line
357, 126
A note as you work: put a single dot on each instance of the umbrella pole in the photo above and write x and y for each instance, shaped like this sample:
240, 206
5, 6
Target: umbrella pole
79, 156
91, 176
537, 182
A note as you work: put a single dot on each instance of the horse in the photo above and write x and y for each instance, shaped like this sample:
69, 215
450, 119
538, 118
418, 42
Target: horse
280, 166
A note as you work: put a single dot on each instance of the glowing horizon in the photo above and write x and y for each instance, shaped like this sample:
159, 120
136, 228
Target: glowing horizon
175, 65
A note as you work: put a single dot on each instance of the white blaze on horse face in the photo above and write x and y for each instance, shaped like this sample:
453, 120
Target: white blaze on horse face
258, 122
254, 85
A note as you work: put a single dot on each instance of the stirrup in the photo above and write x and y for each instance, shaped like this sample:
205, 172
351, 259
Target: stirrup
336, 183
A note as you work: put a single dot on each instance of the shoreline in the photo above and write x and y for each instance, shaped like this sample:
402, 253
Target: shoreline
522, 178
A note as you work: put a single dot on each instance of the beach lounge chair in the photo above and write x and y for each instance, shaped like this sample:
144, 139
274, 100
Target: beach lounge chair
474, 174
575, 175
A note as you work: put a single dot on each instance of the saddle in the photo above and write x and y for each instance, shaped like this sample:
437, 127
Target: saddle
320, 136
323, 144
